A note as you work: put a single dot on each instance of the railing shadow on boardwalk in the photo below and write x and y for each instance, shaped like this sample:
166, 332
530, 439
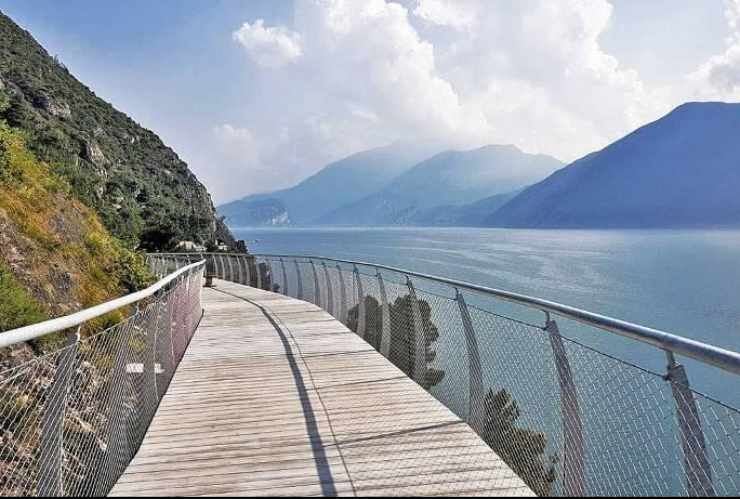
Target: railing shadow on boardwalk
323, 469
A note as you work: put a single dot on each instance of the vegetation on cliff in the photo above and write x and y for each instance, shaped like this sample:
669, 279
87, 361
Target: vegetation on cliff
55, 254
139, 186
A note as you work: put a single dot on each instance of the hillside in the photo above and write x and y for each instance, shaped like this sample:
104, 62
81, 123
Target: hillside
142, 191
681, 171
451, 178
55, 255
339, 183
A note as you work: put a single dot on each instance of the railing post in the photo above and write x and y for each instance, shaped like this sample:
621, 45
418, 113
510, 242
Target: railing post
259, 273
231, 268
360, 304
476, 408
385, 320
342, 297
299, 279
285, 277
329, 291
51, 445
269, 276
316, 288
420, 348
248, 270
117, 444
240, 268
697, 469
573, 446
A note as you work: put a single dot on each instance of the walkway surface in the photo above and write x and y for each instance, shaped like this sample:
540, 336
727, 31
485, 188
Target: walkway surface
276, 397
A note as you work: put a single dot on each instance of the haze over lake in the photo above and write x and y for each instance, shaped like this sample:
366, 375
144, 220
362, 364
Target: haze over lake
684, 282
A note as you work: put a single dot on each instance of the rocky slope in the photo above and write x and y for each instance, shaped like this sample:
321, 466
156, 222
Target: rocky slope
143, 192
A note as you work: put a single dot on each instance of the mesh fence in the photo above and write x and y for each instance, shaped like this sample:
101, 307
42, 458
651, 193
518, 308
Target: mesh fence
566, 418
71, 420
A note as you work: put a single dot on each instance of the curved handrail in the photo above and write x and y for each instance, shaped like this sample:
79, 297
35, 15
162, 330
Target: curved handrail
35, 331
702, 352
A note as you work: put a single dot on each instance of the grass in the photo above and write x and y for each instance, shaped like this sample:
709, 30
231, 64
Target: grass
17, 307
56, 235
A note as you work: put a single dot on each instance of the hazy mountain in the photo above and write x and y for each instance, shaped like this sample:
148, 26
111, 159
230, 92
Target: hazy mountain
337, 184
468, 215
451, 178
680, 171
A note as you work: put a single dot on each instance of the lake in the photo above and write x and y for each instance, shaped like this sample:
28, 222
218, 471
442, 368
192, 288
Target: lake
684, 282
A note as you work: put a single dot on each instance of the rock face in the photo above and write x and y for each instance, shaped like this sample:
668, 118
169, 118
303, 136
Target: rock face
137, 184
58, 109
681, 171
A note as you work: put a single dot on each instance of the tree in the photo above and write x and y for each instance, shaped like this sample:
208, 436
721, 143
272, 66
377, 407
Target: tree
403, 335
522, 449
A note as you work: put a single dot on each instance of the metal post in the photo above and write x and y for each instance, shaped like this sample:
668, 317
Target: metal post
51, 445
240, 268
420, 347
300, 280
269, 277
360, 304
329, 291
385, 321
117, 445
259, 273
316, 288
574, 482
285, 277
248, 269
342, 297
231, 268
476, 409
697, 469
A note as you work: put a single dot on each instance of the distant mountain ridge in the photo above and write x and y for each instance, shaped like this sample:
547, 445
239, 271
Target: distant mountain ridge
429, 192
681, 171
339, 183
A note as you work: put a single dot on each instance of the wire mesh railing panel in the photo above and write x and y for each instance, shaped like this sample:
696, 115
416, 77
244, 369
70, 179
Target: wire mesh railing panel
72, 419
566, 418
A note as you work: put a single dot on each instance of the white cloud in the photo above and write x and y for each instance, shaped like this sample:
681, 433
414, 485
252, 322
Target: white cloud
719, 77
449, 13
464, 73
271, 47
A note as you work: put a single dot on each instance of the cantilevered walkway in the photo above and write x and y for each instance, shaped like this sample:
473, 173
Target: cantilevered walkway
276, 397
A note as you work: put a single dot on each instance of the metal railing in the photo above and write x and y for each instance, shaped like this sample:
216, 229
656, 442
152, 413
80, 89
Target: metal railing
73, 416
568, 419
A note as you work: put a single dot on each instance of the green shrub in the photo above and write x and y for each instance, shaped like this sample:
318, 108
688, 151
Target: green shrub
17, 307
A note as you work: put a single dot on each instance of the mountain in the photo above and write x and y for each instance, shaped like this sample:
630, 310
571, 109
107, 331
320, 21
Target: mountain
337, 184
450, 178
468, 215
142, 191
269, 211
680, 171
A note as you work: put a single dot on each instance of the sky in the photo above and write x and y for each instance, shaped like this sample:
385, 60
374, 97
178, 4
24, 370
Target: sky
257, 95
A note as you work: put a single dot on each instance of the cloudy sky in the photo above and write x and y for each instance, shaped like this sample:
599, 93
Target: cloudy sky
259, 94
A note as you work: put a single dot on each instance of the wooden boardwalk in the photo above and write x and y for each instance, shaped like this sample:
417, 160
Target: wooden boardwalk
276, 397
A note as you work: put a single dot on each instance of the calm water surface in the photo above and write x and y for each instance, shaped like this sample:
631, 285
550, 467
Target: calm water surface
685, 282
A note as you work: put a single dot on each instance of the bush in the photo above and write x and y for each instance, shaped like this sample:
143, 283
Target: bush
17, 307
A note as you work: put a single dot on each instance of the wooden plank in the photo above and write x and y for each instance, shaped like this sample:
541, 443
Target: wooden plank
275, 397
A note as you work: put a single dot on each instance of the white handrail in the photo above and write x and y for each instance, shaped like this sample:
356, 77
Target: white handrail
35, 331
